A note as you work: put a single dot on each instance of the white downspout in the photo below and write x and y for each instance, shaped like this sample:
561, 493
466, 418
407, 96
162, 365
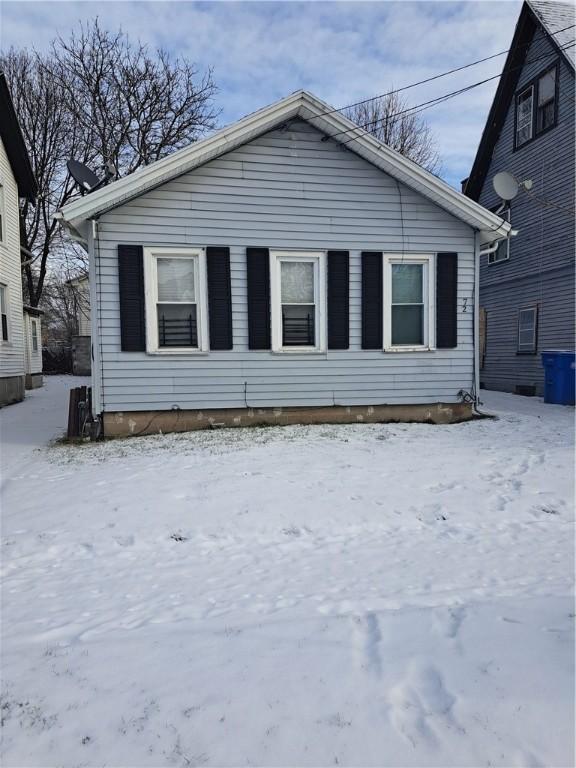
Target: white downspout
477, 254
96, 362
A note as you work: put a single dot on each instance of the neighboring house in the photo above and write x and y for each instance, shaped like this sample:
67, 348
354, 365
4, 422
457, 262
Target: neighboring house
282, 271
80, 287
81, 341
33, 347
16, 182
527, 283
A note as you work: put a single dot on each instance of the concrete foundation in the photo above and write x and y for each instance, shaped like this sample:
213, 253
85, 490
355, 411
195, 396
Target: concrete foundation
11, 389
126, 424
34, 380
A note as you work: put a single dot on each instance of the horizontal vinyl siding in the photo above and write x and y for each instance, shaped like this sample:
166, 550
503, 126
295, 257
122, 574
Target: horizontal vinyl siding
504, 368
11, 353
542, 256
287, 189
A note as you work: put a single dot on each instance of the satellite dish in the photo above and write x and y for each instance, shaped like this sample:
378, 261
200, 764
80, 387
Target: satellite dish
87, 179
505, 185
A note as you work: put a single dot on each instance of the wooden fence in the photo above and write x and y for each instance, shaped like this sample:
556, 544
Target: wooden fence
79, 412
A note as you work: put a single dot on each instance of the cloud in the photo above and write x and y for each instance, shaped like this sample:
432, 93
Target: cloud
342, 51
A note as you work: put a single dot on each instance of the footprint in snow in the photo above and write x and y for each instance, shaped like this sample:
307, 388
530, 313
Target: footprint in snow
420, 703
366, 638
449, 620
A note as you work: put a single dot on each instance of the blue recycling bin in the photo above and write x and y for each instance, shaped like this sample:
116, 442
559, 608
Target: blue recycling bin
558, 377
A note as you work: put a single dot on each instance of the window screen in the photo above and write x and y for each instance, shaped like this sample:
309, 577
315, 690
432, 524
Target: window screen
297, 289
177, 305
407, 304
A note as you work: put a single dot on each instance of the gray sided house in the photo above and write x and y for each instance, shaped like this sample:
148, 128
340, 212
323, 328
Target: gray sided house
527, 283
282, 271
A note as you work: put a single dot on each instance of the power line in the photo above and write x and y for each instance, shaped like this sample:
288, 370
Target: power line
436, 77
432, 102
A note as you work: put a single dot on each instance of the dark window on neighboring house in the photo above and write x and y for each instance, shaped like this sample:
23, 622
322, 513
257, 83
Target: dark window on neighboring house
536, 107
4, 311
527, 323
546, 111
34, 336
502, 253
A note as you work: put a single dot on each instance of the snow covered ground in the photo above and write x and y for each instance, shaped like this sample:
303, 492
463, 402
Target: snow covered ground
391, 595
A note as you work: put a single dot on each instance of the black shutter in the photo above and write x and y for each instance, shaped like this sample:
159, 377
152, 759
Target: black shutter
446, 300
219, 297
338, 300
132, 308
258, 274
372, 311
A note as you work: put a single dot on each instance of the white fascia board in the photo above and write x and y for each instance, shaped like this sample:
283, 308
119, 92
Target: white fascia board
327, 120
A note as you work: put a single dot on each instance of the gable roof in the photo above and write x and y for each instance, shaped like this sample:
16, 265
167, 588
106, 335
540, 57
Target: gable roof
549, 16
14, 144
555, 17
300, 104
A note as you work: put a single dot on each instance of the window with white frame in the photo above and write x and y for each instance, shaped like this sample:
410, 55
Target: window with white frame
176, 300
502, 252
408, 302
34, 335
298, 293
524, 115
527, 323
4, 311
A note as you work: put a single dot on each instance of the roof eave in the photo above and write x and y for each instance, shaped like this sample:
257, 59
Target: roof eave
323, 117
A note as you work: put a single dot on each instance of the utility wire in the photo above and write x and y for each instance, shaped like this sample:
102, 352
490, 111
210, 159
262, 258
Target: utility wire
435, 77
432, 102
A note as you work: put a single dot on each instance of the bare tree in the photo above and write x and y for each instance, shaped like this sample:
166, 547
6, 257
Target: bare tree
387, 119
102, 99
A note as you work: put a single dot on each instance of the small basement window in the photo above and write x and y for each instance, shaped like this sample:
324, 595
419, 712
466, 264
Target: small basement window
409, 299
298, 301
176, 302
4, 311
527, 323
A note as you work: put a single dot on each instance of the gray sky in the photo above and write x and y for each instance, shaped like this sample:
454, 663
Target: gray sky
341, 51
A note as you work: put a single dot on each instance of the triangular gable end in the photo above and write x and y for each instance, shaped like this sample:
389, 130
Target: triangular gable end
323, 117
551, 17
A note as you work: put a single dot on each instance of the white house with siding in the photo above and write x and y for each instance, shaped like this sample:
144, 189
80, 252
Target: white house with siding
16, 182
33, 347
288, 268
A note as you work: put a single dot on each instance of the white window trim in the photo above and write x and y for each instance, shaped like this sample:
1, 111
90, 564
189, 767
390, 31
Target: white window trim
534, 344
151, 296
491, 261
319, 259
428, 260
34, 336
6, 342
528, 123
